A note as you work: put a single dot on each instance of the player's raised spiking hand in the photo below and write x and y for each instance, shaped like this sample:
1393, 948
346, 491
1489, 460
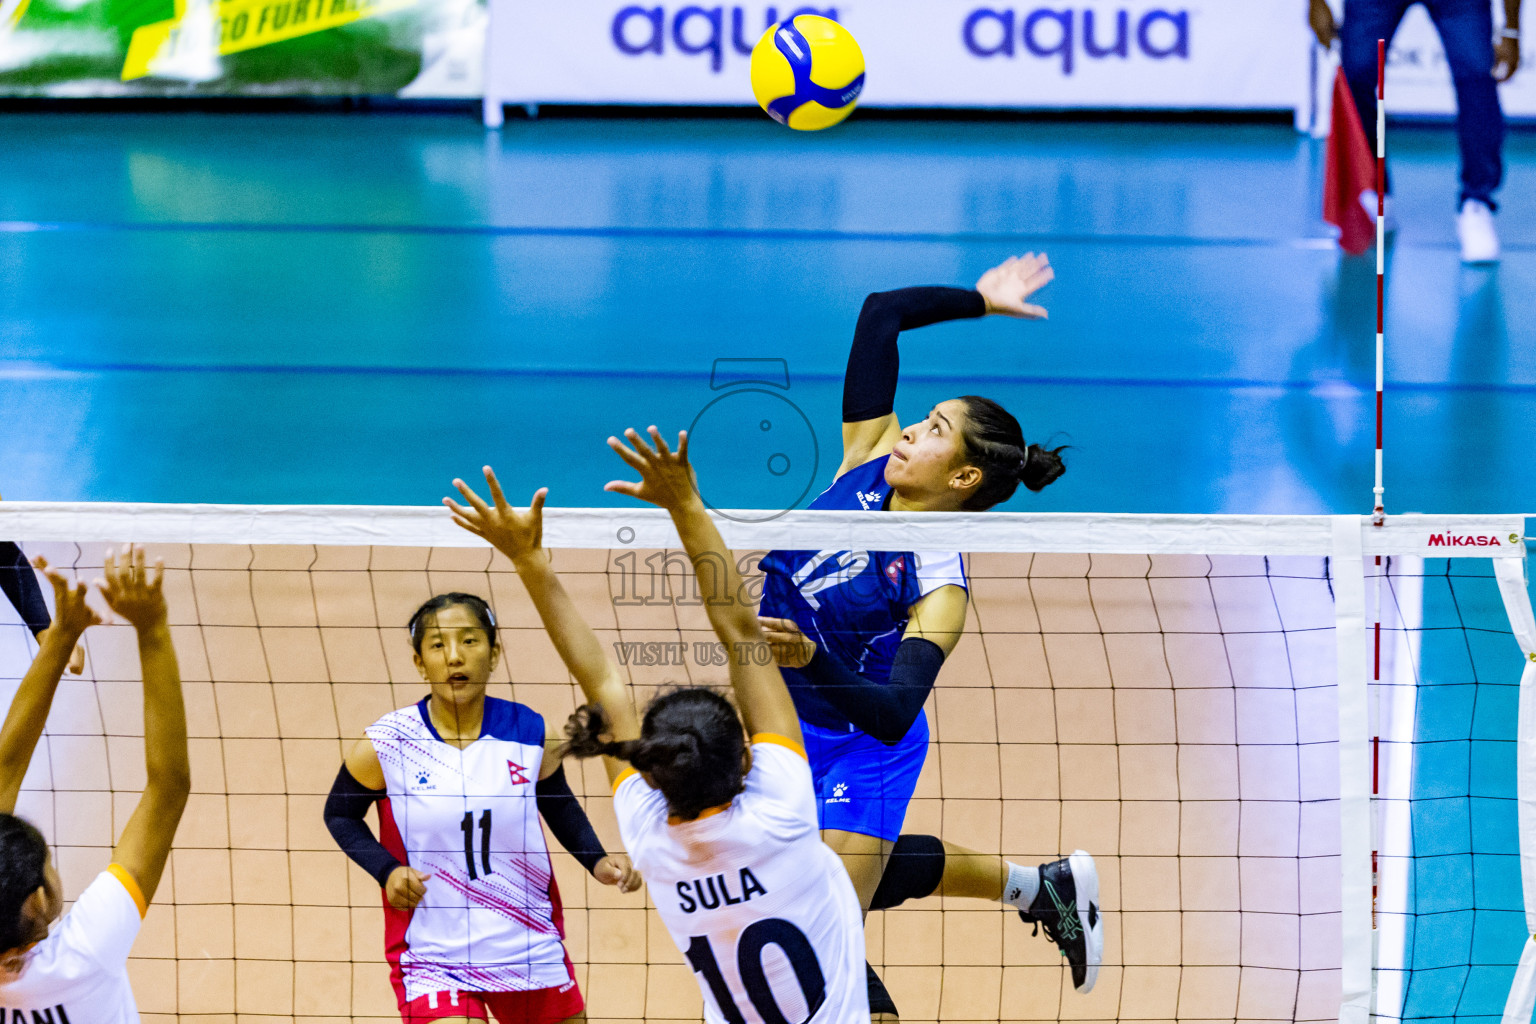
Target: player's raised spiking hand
666, 478
516, 533
1007, 285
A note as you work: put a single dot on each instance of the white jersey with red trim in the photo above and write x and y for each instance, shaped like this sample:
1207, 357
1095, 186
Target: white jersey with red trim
761, 908
490, 920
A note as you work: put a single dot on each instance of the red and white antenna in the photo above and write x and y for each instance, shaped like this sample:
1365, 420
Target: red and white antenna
1379, 510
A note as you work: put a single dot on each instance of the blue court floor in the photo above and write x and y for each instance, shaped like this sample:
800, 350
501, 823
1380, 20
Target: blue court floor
355, 308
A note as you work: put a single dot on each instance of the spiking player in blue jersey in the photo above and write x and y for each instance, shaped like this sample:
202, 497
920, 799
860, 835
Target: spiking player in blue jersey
861, 635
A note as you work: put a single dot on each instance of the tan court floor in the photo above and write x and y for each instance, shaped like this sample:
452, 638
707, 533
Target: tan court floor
1175, 716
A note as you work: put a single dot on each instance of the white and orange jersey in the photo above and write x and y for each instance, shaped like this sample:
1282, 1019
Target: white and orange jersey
761, 908
79, 973
490, 920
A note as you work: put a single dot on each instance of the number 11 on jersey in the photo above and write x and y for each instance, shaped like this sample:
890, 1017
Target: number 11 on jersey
468, 825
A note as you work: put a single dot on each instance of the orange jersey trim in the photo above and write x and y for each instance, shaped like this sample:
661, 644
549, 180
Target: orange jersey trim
623, 777
131, 884
708, 812
783, 741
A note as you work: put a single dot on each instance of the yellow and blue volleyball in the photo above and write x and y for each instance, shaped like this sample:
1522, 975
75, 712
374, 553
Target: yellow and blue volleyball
807, 72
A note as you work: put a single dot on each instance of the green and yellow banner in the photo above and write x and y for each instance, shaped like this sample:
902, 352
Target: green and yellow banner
417, 48
11, 11
231, 26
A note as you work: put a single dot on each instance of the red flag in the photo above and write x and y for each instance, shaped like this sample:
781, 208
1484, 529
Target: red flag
1351, 170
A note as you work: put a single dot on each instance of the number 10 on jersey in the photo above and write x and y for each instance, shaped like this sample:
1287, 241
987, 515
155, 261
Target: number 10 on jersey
749, 967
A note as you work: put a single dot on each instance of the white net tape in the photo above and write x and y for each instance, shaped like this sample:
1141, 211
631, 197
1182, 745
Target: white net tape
1161, 691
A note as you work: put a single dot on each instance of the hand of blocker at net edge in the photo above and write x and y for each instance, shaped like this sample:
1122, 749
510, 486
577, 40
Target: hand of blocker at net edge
519, 534
515, 533
667, 478
671, 476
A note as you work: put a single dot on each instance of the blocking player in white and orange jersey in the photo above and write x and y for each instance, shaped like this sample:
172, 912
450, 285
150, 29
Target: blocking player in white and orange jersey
724, 827
75, 968
472, 915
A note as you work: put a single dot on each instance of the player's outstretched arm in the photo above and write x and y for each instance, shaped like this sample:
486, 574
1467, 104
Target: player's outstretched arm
666, 479
884, 711
519, 534
29, 708
870, 427
19, 584
134, 591
568, 822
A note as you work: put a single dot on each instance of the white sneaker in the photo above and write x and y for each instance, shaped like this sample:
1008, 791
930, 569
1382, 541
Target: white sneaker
1479, 238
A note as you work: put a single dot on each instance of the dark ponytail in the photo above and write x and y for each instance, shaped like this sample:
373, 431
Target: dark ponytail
691, 745
994, 444
23, 853
1041, 466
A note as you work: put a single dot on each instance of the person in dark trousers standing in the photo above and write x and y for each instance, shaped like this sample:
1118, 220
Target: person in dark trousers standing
1479, 58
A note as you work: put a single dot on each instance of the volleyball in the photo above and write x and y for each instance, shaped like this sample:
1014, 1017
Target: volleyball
807, 72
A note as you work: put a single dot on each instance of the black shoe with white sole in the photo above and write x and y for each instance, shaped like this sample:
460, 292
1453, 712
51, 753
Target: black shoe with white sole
1067, 907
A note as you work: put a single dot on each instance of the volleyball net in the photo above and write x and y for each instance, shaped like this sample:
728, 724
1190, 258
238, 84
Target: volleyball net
1293, 818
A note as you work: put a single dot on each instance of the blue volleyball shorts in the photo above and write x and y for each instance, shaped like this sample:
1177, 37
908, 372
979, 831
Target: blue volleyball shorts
862, 785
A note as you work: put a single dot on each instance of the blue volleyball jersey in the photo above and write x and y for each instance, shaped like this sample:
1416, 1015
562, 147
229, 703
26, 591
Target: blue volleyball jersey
854, 604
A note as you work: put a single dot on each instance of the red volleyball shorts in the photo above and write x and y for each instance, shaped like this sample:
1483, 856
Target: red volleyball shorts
540, 1006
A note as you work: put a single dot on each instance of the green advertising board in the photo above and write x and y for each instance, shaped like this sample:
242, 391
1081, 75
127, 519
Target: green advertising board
406, 48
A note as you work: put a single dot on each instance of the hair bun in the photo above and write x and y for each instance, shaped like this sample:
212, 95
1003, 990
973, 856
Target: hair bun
674, 752
687, 752
1041, 466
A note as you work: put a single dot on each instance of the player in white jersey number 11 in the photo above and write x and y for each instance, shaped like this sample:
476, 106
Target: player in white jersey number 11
716, 807
473, 926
